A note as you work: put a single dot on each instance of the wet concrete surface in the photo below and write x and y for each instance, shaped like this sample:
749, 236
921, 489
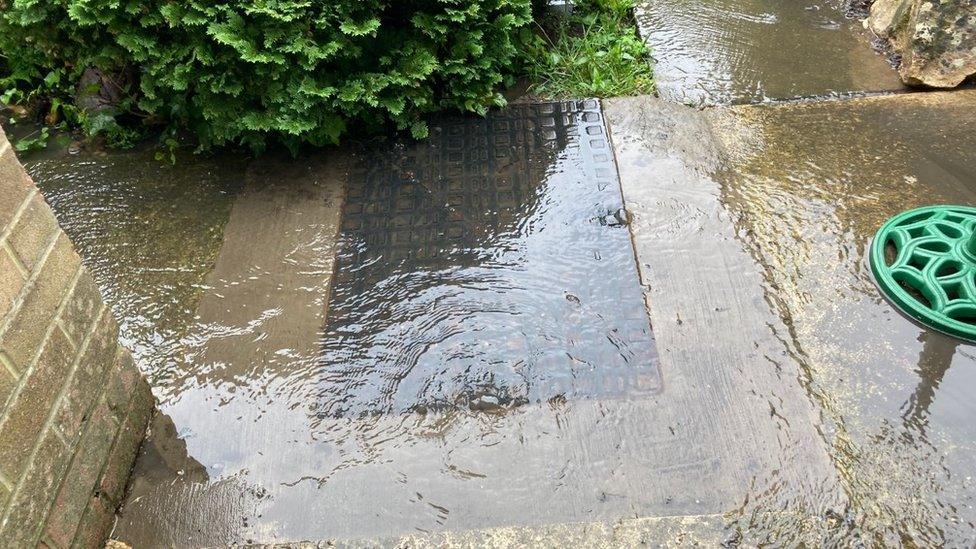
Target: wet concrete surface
776, 205
807, 186
149, 232
347, 375
732, 392
483, 341
256, 326
748, 51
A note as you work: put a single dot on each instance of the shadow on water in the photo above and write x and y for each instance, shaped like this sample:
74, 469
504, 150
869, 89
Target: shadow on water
488, 267
933, 363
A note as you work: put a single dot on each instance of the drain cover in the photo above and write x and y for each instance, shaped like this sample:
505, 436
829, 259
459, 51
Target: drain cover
924, 261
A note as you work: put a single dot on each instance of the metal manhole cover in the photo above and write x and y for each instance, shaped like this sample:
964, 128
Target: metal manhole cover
477, 269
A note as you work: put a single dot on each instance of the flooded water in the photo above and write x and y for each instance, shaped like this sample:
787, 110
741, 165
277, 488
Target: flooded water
149, 233
808, 185
454, 335
489, 267
747, 51
411, 337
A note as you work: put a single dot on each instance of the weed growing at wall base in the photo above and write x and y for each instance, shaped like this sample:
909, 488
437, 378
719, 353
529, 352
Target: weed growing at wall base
595, 52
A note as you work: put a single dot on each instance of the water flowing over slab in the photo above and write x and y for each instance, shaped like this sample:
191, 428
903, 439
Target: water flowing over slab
748, 51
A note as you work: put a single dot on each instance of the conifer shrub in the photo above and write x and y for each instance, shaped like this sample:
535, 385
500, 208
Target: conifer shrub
250, 71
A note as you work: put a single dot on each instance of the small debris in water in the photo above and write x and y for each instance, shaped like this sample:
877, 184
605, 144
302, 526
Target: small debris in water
486, 403
619, 218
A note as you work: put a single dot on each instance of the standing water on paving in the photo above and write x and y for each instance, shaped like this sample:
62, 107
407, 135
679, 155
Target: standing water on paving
418, 356
810, 184
488, 267
414, 337
749, 51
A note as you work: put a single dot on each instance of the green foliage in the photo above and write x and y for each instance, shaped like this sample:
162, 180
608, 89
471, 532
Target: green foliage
36, 141
593, 53
246, 71
621, 10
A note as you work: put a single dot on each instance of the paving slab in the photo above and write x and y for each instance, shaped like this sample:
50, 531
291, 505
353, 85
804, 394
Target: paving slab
806, 186
728, 372
777, 399
258, 317
775, 206
486, 360
281, 432
748, 51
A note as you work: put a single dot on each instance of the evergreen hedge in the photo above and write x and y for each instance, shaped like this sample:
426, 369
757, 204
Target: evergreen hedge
244, 71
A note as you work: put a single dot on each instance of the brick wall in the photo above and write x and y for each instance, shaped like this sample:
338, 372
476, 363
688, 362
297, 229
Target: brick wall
74, 407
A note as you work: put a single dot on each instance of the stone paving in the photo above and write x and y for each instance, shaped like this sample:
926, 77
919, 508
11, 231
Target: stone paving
749, 51
728, 210
787, 402
782, 200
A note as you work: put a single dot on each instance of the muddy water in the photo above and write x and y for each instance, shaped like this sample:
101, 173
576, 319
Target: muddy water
149, 233
808, 185
452, 335
746, 51
412, 337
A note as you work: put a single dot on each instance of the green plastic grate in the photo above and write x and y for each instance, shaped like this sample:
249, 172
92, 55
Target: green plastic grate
924, 261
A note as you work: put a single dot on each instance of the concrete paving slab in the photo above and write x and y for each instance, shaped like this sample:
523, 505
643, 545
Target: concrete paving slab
687, 531
325, 439
806, 186
748, 51
792, 404
258, 317
775, 206
730, 381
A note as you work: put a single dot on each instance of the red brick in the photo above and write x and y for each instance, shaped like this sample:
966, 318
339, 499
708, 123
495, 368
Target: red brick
15, 186
95, 524
40, 304
24, 418
116, 474
7, 382
81, 309
31, 235
11, 282
79, 484
122, 384
4, 496
89, 378
23, 528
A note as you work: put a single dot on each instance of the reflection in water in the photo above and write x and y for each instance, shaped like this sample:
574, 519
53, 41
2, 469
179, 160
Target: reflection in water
486, 352
479, 270
808, 185
933, 363
745, 51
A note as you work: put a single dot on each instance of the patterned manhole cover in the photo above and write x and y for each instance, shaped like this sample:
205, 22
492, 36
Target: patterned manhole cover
487, 267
